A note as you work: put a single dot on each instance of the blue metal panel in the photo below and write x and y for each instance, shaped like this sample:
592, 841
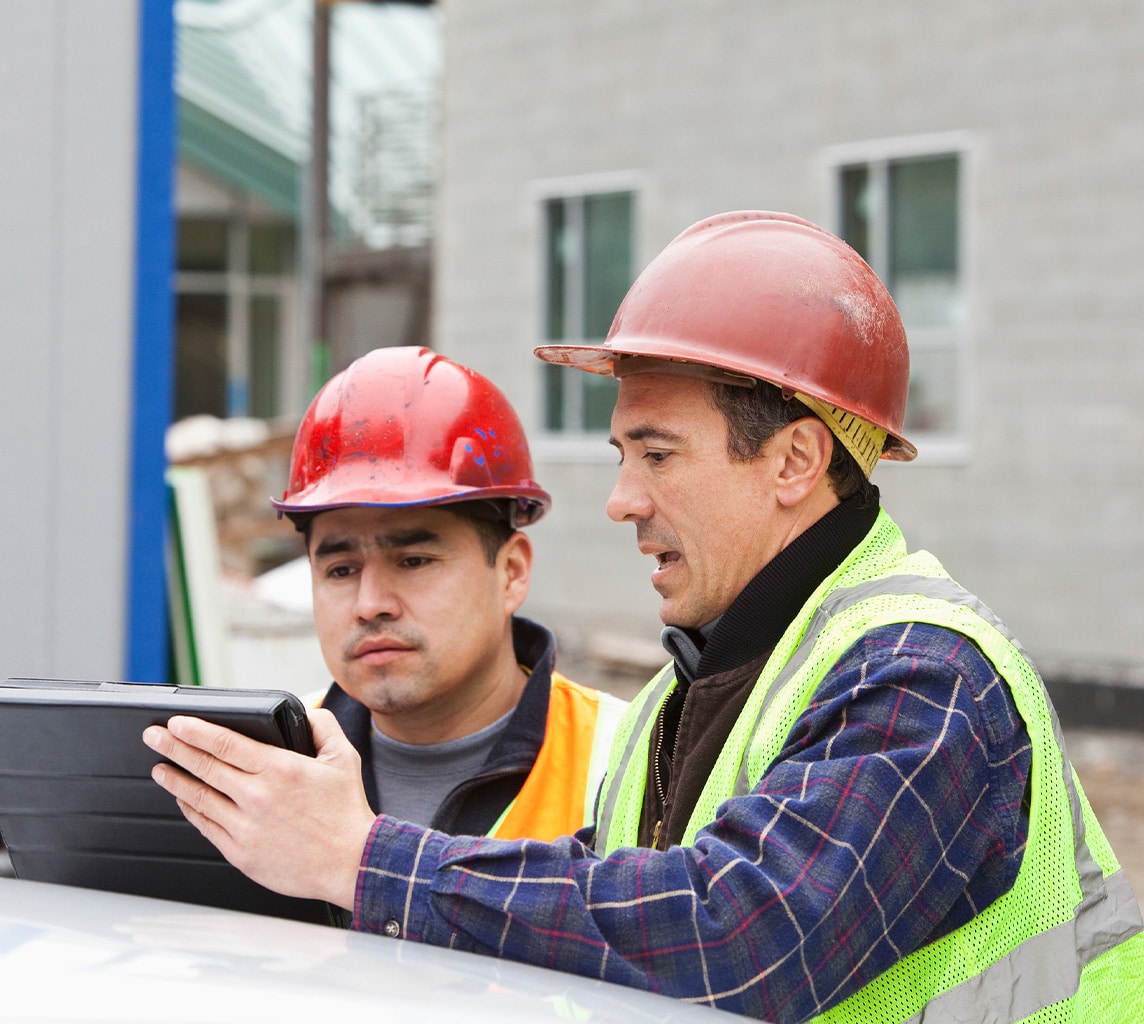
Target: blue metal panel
147, 618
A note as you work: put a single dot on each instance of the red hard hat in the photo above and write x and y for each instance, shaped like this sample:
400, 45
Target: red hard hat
773, 297
406, 426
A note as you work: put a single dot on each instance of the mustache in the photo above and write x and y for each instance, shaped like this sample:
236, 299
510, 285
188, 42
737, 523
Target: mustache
654, 536
403, 637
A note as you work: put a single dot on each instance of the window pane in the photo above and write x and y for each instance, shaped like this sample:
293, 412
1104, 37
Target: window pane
607, 259
856, 209
265, 331
599, 398
588, 270
200, 356
923, 226
554, 380
201, 245
931, 405
271, 248
555, 264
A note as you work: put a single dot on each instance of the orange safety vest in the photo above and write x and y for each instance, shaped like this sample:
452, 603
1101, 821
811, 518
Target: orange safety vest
559, 795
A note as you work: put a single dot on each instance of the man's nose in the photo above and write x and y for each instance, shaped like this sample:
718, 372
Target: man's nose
628, 501
376, 597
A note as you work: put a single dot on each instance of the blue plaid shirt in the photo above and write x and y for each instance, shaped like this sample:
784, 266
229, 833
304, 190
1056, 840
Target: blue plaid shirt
894, 814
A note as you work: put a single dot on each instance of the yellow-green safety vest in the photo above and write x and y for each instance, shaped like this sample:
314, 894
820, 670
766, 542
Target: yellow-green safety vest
1064, 945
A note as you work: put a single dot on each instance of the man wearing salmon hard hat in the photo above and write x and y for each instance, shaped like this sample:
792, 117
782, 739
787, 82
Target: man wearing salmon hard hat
845, 797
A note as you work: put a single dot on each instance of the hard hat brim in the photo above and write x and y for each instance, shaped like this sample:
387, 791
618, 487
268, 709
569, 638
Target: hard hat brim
602, 359
593, 358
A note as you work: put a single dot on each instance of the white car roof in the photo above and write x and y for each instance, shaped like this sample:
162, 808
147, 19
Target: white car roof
69, 954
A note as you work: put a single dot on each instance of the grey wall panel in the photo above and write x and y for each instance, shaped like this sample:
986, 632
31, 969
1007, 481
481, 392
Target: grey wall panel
67, 129
733, 104
27, 95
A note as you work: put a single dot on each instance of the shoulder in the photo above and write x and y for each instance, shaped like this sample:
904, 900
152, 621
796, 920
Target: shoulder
917, 678
604, 705
924, 655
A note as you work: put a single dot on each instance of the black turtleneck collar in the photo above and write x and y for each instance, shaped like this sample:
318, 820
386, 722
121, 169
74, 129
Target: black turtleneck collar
759, 616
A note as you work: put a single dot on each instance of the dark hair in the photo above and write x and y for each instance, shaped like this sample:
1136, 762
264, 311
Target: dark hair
489, 517
755, 415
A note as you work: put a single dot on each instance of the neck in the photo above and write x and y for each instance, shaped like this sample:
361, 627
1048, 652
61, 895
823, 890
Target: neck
759, 616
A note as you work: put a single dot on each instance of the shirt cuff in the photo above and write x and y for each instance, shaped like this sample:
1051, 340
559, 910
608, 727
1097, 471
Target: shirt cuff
395, 880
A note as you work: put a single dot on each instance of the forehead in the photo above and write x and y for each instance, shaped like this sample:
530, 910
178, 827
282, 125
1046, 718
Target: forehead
659, 404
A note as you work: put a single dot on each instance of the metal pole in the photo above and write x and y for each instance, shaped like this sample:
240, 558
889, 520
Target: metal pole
317, 206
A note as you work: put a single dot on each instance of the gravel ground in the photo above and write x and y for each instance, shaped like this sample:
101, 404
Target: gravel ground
1111, 769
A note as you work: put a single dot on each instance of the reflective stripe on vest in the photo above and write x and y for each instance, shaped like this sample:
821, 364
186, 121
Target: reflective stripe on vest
1042, 968
639, 716
559, 795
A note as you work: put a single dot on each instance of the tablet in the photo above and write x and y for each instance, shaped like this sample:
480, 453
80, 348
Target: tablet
78, 805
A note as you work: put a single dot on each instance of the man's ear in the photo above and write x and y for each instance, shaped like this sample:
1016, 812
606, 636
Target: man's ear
803, 449
514, 561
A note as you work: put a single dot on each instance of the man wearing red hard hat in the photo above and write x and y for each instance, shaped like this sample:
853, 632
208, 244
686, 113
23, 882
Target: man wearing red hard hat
845, 798
411, 479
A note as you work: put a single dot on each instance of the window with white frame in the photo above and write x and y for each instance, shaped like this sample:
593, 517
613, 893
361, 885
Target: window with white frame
234, 293
588, 261
903, 212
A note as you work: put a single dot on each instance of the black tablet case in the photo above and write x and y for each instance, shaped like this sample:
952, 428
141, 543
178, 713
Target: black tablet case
78, 805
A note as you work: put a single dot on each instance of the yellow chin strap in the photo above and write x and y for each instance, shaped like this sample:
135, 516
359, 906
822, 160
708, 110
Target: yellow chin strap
862, 440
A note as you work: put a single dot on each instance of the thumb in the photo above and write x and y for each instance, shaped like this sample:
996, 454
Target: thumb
329, 740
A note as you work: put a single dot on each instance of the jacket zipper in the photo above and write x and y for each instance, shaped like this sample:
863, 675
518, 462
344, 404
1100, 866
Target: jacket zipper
658, 778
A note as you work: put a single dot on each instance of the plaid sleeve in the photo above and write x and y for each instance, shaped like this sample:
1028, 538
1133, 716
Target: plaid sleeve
892, 814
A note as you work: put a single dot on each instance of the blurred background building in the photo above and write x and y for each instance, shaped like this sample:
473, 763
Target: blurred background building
497, 174
985, 158
288, 267
245, 133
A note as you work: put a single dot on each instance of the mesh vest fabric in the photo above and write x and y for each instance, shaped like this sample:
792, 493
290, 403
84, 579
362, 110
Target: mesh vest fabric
1064, 944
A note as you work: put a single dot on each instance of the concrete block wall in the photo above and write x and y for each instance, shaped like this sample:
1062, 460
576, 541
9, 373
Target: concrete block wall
730, 104
68, 76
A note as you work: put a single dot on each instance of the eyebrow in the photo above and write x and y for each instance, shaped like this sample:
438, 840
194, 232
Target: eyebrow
648, 433
335, 545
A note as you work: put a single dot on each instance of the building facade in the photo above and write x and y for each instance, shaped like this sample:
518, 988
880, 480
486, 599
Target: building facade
86, 126
985, 158
251, 243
